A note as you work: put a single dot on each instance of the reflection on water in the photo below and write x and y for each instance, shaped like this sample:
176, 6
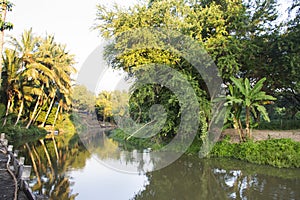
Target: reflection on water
64, 169
193, 178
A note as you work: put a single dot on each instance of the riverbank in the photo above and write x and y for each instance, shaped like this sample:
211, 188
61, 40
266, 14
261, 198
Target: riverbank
13, 132
280, 149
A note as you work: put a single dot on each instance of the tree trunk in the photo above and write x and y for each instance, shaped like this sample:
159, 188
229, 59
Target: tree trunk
248, 132
20, 112
48, 112
39, 112
3, 17
35, 109
34, 112
242, 130
7, 111
237, 128
56, 115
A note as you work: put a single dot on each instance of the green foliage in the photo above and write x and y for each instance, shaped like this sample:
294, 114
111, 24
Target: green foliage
65, 124
282, 153
77, 122
111, 105
248, 97
275, 54
154, 143
16, 132
209, 23
83, 99
36, 75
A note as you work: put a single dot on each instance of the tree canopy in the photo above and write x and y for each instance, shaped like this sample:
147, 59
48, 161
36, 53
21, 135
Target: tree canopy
243, 38
36, 77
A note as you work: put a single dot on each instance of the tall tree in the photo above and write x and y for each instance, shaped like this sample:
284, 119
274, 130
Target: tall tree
4, 25
11, 78
218, 26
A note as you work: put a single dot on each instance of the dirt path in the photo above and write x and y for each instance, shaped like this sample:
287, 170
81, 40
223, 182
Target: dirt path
266, 134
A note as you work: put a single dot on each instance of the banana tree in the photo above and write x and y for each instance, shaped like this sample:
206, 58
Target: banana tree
250, 98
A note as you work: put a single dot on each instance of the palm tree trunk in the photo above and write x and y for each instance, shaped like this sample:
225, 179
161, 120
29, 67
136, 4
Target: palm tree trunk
48, 112
20, 112
39, 112
35, 109
34, 112
56, 115
7, 112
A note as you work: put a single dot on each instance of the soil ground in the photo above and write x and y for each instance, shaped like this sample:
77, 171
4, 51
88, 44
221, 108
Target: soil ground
265, 134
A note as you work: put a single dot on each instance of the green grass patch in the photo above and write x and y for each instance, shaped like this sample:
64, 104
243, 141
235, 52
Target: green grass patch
282, 153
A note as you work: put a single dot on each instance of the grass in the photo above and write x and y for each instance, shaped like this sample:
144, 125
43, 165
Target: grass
282, 153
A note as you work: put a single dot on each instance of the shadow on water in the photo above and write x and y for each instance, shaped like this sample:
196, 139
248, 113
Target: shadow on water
187, 178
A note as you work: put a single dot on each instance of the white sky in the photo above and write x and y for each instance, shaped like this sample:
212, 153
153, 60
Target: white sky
69, 20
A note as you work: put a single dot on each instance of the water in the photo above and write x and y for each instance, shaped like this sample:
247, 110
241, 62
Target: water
75, 173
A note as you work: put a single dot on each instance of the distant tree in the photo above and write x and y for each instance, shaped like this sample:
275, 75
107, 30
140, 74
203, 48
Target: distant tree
104, 105
83, 99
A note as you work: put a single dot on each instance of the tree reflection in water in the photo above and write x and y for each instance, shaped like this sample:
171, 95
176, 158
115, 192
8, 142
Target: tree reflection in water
187, 178
194, 178
51, 160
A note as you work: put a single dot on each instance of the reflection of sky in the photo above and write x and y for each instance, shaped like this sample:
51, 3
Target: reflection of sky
96, 180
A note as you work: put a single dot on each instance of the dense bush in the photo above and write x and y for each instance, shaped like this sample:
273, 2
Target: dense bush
276, 152
65, 124
15, 132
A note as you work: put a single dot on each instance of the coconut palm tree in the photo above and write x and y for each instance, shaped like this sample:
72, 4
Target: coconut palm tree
11, 78
38, 73
57, 59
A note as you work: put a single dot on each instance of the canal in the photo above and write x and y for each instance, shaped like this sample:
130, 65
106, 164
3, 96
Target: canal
64, 169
